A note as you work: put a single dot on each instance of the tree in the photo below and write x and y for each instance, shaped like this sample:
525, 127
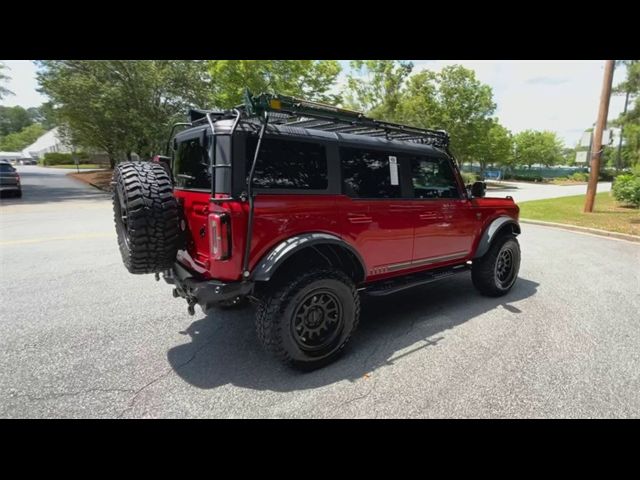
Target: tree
377, 89
119, 106
538, 147
629, 122
13, 119
16, 142
3, 79
310, 79
495, 148
454, 100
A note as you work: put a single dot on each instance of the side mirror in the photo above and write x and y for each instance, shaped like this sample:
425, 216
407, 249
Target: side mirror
478, 189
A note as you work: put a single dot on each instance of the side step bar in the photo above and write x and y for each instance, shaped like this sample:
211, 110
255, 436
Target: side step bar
387, 287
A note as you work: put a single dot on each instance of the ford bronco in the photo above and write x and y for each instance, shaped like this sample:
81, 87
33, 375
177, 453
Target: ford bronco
301, 208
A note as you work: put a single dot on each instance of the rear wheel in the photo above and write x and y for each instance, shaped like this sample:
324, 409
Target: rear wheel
146, 216
307, 322
496, 272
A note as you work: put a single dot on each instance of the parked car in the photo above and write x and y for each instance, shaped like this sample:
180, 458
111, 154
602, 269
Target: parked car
27, 161
302, 208
9, 179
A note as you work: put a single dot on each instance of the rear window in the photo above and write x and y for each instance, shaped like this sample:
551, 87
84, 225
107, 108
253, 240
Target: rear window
5, 167
288, 164
191, 165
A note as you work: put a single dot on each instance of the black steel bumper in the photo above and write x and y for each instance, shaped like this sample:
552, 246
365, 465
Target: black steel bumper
205, 293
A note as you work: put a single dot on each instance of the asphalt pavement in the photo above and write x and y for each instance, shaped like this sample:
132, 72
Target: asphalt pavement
81, 337
524, 192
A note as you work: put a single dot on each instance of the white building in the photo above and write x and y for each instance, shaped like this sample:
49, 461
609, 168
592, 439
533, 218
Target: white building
48, 142
12, 156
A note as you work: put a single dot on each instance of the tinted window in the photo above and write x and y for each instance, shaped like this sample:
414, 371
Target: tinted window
288, 164
367, 173
5, 167
433, 178
191, 165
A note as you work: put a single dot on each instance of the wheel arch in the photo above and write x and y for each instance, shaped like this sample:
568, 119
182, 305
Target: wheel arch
496, 228
322, 248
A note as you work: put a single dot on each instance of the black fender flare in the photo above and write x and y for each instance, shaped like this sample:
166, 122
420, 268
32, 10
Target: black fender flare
492, 231
270, 262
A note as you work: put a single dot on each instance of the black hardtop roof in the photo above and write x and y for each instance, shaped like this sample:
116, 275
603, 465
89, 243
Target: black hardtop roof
224, 127
296, 117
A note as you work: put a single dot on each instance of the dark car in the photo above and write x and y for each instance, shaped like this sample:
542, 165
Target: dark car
9, 180
302, 208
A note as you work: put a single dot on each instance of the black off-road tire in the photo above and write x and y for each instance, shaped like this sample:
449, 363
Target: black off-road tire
275, 317
485, 270
146, 216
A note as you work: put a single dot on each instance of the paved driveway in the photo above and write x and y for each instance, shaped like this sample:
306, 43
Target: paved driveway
81, 337
523, 192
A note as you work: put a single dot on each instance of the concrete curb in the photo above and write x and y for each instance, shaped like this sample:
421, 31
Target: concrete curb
592, 231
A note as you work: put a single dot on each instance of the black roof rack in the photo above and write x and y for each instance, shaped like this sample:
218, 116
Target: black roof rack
296, 112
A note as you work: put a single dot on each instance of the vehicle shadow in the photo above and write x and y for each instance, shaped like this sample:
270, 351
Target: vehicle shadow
224, 348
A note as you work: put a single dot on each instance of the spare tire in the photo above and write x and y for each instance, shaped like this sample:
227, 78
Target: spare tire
146, 216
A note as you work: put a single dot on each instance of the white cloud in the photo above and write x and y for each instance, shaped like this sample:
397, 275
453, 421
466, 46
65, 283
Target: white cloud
23, 84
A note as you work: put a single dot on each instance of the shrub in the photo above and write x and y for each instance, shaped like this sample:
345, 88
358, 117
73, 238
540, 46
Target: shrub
57, 158
580, 177
526, 178
626, 190
607, 175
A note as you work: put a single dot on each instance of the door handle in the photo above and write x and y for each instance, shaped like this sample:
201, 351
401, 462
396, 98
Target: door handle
360, 219
431, 216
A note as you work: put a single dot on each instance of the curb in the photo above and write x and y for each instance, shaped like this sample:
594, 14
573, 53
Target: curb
593, 231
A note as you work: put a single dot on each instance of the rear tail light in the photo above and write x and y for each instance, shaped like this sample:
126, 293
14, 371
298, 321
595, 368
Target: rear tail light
220, 235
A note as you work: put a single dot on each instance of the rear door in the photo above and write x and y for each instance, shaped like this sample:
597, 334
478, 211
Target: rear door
373, 215
444, 220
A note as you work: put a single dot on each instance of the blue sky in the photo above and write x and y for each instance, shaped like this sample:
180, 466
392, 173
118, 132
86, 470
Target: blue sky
556, 95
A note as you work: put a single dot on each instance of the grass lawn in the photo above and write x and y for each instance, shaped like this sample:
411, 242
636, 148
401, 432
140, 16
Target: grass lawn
99, 178
607, 213
82, 166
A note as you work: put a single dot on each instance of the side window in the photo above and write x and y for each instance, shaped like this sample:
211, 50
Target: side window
433, 178
369, 173
191, 165
288, 164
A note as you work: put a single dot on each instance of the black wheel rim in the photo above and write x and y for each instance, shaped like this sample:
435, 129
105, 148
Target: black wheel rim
121, 213
317, 321
505, 267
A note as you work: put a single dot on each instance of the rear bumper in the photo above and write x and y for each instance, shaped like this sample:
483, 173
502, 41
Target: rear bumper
206, 293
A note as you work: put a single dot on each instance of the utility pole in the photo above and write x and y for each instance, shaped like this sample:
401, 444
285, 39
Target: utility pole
601, 124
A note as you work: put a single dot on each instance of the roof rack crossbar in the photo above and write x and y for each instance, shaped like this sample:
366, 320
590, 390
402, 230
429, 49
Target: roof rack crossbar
302, 113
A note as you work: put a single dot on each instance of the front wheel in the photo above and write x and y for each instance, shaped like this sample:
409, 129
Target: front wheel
496, 272
307, 322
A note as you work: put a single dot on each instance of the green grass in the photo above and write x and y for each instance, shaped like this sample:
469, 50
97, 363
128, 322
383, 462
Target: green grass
82, 166
607, 213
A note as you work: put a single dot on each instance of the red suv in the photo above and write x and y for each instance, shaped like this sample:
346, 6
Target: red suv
302, 207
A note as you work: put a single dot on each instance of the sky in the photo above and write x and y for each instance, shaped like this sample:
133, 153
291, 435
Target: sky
558, 95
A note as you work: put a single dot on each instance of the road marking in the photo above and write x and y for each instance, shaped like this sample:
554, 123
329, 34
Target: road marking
80, 236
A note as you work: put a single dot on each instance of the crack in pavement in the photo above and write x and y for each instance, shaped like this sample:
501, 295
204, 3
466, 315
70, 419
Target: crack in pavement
52, 396
132, 402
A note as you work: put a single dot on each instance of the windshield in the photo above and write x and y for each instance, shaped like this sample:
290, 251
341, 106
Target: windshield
191, 166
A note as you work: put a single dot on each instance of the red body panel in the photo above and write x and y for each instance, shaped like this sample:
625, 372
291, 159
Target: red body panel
393, 237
